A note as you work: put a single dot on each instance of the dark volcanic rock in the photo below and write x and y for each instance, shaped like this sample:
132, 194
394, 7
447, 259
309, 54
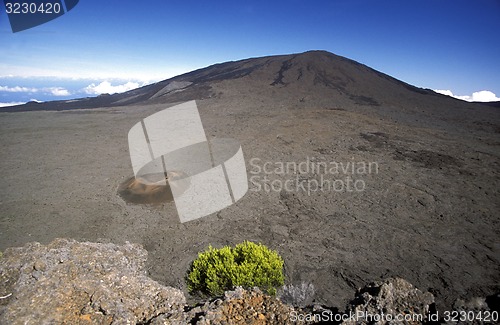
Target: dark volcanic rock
393, 298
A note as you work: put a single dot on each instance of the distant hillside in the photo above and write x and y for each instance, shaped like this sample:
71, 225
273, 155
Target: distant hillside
307, 80
314, 73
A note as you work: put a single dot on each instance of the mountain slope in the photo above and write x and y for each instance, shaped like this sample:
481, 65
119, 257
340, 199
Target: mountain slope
307, 80
316, 71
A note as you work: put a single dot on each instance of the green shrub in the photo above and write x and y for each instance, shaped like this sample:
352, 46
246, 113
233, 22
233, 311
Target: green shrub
247, 265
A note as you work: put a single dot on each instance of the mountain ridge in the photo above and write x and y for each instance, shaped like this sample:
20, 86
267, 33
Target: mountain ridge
309, 80
312, 61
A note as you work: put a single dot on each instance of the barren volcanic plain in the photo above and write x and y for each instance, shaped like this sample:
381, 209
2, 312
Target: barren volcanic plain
428, 210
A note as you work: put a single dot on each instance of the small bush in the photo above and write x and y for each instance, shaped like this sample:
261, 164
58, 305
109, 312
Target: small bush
247, 264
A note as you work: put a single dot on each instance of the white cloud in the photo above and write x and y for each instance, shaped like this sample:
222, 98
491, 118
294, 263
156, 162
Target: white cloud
105, 87
484, 96
58, 91
54, 91
144, 74
11, 104
18, 89
444, 92
478, 96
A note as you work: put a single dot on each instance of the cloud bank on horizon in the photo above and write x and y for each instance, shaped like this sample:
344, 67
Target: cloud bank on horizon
21, 94
11, 104
54, 91
478, 96
20, 90
106, 87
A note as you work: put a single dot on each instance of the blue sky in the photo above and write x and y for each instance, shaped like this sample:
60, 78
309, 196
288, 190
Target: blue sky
115, 45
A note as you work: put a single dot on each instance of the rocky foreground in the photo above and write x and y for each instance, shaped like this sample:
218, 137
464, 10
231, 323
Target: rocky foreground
70, 282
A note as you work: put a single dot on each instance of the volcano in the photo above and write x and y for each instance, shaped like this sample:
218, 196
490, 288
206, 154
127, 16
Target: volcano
307, 80
426, 209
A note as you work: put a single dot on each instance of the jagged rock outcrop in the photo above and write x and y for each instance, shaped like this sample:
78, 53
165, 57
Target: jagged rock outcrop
68, 282
394, 301
239, 306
